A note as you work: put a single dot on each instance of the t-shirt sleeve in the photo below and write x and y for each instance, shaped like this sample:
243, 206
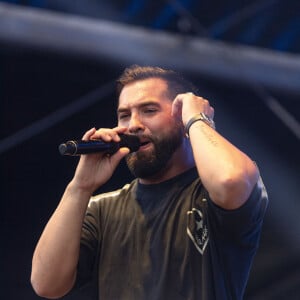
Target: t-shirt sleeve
90, 241
91, 235
234, 237
243, 220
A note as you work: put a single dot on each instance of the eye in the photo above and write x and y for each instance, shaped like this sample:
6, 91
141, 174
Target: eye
123, 116
150, 110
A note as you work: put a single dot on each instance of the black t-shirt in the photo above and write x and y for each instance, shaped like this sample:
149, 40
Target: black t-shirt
169, 241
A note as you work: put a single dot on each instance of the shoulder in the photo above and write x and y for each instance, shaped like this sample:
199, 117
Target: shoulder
112, 196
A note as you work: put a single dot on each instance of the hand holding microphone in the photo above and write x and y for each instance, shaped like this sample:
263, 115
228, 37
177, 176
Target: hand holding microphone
94, 170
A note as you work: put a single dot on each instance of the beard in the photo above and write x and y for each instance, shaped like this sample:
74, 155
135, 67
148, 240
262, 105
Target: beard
148, 163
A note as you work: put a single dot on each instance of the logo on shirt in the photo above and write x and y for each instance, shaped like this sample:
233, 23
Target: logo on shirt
197, 229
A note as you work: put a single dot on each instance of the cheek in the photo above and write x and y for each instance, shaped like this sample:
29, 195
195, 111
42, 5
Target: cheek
158, 126
165, 126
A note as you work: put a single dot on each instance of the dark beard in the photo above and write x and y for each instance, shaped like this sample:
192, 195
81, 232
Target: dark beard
145, 165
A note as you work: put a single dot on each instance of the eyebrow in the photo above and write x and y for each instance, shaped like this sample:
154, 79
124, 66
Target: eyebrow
141, 105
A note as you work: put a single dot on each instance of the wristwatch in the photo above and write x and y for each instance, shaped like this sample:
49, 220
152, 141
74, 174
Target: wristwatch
206, 119
199, 117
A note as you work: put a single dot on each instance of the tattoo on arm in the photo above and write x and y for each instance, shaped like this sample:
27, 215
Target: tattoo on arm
203, 127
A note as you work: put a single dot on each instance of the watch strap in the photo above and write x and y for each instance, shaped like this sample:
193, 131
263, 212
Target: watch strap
199, 117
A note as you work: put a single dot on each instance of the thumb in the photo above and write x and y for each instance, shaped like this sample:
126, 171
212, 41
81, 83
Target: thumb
177, 106
122, 152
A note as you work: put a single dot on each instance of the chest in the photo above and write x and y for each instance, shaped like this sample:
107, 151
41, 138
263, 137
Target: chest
148, 229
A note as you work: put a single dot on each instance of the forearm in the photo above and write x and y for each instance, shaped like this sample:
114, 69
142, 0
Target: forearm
56, 254
228, 174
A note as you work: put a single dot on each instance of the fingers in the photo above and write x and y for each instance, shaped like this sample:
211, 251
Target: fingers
107, 135
116, 158
104, 134
188, 105
212, 112
177, 106
88, 134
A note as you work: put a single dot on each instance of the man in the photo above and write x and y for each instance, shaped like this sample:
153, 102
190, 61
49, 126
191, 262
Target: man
187, 227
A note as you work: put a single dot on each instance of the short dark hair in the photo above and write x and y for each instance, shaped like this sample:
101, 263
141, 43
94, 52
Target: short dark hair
176, 83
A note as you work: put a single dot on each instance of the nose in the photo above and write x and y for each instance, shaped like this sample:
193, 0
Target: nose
135, 124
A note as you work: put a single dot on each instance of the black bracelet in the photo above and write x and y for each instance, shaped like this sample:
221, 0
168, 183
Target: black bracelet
199, 117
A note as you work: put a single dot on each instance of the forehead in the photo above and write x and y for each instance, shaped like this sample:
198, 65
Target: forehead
154, 89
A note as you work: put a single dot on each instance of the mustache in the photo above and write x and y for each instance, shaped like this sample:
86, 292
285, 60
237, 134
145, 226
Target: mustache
145, 137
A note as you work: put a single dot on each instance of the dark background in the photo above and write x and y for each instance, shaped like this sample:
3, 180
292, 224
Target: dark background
50, 94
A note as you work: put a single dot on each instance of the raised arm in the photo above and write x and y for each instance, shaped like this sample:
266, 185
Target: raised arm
56, 255
227, 173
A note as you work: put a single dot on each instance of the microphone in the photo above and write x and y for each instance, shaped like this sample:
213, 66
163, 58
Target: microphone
79, 147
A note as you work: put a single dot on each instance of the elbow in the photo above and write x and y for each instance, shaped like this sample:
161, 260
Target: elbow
235, 189
41, 290
46, 289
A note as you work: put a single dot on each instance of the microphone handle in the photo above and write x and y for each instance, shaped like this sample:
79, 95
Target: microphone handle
74, 148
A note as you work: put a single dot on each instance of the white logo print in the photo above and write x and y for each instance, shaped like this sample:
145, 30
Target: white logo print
197, 230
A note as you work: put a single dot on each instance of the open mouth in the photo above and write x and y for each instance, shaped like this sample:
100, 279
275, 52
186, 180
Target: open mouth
144, 144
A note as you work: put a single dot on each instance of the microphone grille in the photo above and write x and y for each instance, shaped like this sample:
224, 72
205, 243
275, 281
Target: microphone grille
130, 141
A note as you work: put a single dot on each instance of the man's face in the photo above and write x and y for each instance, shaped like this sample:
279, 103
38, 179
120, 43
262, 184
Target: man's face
145, 109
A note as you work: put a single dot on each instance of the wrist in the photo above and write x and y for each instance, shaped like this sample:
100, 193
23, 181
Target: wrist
197, 118
76, 189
